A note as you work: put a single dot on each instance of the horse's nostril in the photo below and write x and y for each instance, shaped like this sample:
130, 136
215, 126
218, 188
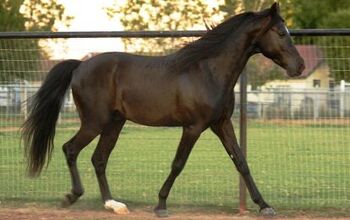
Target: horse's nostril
301, 68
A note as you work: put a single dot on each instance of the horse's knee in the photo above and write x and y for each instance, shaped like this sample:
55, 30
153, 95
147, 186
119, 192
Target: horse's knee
99, 165
70, 154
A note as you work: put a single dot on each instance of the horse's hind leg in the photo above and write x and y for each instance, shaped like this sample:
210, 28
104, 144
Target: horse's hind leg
71, 150
108, 138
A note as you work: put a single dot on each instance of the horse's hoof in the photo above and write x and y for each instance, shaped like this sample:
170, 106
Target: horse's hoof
161, 213
268, 212
67, 201
117, 207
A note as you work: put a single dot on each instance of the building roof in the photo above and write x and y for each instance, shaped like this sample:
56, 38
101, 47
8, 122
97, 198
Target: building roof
313, 57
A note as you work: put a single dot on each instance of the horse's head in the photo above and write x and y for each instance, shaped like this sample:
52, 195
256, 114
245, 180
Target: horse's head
275, 43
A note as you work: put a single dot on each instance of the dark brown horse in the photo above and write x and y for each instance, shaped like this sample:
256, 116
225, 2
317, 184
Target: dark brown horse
192, 88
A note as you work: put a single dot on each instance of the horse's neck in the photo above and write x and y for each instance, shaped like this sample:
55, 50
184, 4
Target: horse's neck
237, 51
231, 62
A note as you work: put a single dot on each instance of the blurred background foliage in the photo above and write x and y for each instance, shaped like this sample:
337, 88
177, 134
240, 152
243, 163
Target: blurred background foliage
26, 15
41, 15
187, 14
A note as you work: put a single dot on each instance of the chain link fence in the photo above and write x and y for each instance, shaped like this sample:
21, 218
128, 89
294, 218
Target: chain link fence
297, 137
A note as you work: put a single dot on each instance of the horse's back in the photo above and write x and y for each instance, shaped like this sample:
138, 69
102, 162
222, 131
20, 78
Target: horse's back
142, 89
105, 67
138, 87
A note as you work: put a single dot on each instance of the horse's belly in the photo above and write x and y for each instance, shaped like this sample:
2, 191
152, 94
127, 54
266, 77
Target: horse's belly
156, 114
167, 122
159, 104
153, 118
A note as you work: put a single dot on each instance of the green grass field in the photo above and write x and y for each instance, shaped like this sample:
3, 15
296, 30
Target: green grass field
296, 166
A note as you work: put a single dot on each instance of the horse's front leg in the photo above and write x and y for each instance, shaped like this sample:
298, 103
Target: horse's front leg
224, 130
189, 137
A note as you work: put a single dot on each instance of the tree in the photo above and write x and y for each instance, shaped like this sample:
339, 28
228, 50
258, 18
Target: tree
313, 14
329, 14
232, 7
30, 15
25, 15
159, 15
337, 47
176, 15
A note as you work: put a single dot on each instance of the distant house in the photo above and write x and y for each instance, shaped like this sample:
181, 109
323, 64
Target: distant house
306, 94
14, 93
315, 76
344, 98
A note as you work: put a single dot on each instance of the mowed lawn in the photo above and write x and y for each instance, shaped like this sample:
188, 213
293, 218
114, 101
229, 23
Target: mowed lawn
296, 166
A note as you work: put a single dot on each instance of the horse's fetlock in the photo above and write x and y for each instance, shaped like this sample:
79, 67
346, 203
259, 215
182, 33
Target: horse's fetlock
162, 195
244, 169
78, 192
256, 200
177, 167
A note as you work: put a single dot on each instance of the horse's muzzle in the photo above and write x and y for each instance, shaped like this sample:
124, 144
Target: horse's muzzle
301, 69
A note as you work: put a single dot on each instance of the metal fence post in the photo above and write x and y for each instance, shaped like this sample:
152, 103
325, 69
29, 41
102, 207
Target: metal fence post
243, 138
24, 105
342, 98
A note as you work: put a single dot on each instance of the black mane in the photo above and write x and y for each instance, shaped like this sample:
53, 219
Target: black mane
213, 41
210, 44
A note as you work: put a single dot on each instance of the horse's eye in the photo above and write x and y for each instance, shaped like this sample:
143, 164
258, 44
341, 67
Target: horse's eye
282, 33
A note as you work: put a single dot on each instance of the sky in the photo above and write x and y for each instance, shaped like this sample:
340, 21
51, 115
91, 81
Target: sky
88, 15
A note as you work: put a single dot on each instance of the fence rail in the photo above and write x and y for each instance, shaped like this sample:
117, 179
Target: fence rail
298, 162
152, 34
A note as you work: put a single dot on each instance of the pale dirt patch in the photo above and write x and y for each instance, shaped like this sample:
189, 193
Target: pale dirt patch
340, 121
138, 214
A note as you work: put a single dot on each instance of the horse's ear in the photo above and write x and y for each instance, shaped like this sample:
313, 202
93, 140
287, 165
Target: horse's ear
209, 26
206, 25
275, 9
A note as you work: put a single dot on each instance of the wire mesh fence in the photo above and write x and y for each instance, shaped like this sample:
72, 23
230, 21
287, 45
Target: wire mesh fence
298, 135
299, 128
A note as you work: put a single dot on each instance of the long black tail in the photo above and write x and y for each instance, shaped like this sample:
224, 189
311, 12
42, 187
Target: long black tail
39, 129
